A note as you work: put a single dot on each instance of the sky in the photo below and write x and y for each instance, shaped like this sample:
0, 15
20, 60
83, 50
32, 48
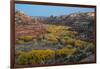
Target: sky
45, 10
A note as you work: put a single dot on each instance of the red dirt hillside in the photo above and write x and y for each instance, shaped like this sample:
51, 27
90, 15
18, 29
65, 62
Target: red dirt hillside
26, 25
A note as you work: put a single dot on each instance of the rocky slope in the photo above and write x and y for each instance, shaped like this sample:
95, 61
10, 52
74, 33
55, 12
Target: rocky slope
26, 25
81, 22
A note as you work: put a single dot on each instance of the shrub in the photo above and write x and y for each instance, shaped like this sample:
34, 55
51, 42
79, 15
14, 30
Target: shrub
66, 51
66, 37
43, 54
51, 38
35, 56
23, 58
79, 43
69, 46
25, 38
89, 48
20, 42
70, 41
71, 33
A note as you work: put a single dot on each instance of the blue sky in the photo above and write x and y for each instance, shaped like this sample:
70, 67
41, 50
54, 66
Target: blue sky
44, 10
